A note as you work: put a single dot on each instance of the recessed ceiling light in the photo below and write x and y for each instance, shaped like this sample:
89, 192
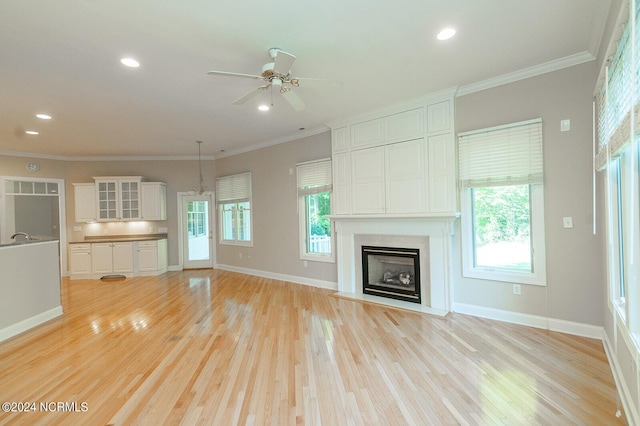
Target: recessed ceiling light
130, 62
31, 132
446, 34
44, 116
264, 108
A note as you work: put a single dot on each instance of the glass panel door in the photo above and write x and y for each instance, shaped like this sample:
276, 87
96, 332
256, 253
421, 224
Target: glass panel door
197, 231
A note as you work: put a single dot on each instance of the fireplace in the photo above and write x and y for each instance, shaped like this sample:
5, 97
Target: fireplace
391, 272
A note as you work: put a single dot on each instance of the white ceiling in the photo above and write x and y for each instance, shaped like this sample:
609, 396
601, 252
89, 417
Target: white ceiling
62, 57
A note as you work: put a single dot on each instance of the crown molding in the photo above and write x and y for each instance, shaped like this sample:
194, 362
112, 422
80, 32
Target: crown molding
536, 70
288, 138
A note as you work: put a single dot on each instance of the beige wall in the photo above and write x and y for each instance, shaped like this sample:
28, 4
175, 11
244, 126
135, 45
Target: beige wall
274, 203
574, 257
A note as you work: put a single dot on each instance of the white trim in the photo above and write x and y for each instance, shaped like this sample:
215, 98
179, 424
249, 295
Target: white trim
630, 408
29, 323
537, 321
536, 70
329, 285
174, 268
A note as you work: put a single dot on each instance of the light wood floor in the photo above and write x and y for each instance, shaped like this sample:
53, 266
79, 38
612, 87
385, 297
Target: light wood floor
215, 347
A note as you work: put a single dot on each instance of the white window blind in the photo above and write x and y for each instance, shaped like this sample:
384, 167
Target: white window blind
233, 188
619, 96
314, 177
502, 155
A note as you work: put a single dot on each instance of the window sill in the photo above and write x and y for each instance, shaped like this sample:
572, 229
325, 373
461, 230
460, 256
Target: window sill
236, 243
504, 276
327, 258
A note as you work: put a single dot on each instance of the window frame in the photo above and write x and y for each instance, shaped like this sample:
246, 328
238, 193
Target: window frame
302, 226
234, 190
312, 178
470, 270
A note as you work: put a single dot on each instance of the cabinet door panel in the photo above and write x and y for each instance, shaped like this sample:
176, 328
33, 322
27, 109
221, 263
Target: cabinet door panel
368, 133
438, 117
85, 202
122, 257
405, 126
405, 176
101, 258
442, 176
368, 180
341, 139
341, 197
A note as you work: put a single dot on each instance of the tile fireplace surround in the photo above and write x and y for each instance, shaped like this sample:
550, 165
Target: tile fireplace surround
432, 235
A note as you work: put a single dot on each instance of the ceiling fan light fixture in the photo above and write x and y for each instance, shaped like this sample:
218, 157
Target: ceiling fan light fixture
446, 34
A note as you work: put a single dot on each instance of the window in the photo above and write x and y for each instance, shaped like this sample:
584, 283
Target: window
197, 218
233, 195
314, 195
501, 175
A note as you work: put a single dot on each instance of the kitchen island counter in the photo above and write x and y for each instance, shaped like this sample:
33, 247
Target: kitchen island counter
30, 286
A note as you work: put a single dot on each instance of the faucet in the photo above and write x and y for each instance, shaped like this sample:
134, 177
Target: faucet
27, 236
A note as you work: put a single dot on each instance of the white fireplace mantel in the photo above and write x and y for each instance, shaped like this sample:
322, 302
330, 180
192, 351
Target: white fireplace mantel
435, 233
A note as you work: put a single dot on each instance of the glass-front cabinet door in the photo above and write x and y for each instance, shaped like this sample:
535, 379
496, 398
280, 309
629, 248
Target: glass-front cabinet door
130, 200
118, 199
107, 201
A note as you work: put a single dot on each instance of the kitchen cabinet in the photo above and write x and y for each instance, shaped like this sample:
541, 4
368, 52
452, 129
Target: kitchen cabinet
122, 198
152, 257
118, 198
112, 258
85, 202
80, 259
154, 200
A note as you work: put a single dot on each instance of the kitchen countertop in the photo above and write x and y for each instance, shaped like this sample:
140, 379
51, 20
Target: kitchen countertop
32, 241
119, 238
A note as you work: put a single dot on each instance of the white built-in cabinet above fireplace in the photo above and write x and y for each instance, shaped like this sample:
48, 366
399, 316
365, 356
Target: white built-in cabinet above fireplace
396, 162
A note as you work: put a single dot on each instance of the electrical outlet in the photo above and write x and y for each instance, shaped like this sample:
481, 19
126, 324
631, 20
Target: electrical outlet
240, 255
105, 231
151, 229
305, 263
517, 289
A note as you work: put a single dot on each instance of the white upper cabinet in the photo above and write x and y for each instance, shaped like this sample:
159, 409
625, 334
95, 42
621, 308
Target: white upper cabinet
367, 166
405, 177
405, 126
401, 163
118, 198
85, 202
154, 200
439, 117
369, 133
341, 197
121, 198
341, 139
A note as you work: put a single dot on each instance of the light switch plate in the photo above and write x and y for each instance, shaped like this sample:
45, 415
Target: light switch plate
567, 222
565, 125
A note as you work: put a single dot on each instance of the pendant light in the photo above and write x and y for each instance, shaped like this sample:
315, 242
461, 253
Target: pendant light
201, 189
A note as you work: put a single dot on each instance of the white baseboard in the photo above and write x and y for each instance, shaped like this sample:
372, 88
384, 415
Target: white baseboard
630, 409
282, 277
174, 268
552, 324
24, 325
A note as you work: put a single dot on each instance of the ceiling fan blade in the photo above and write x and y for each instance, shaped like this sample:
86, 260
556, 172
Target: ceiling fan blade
317, 83
234, 74
294, 100
283, 62
250, 95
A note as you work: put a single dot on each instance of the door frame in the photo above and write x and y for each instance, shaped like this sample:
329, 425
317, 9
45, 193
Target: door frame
210, 195
62, 215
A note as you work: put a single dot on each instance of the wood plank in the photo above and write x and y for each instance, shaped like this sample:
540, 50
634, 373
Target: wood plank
216, 347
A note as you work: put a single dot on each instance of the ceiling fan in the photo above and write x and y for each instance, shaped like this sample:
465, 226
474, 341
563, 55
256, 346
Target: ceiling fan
277, 75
